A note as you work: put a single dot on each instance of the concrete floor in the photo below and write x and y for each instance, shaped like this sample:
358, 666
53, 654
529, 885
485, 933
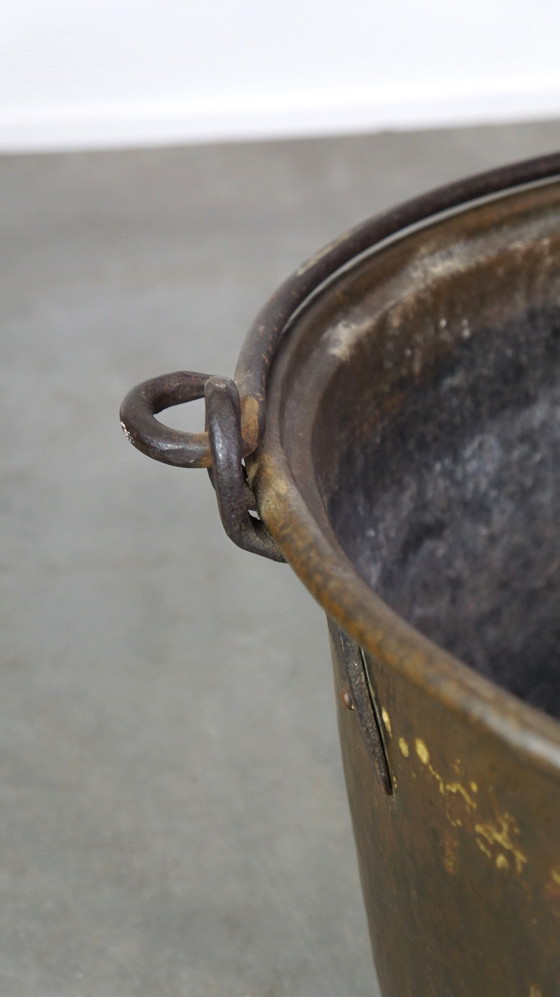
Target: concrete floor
173, 820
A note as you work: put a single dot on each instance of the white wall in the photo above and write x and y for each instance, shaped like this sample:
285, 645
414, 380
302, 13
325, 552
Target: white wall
86, 73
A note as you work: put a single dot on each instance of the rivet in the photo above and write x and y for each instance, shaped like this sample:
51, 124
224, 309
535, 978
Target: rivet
346, 699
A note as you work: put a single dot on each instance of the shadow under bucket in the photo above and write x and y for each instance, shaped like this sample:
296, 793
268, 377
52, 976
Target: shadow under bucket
393, 432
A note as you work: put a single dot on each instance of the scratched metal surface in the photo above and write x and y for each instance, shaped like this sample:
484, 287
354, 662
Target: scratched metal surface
173, 819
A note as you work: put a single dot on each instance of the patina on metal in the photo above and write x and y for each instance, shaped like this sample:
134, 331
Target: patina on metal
399, 426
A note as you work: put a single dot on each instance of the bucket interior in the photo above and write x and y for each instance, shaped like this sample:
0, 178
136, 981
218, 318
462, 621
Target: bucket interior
436, 438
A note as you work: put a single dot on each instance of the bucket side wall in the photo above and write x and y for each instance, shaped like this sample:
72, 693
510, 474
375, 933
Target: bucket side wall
460, 868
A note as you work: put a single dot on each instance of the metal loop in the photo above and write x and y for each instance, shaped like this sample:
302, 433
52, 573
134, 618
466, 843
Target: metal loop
191, 450
220, 449
171, 446
223, 406
223, 413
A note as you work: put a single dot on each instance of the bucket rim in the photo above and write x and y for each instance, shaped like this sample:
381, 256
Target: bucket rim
323, 567
269, 327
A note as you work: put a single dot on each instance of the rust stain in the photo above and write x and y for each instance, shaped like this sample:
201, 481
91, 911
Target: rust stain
483, 848
457, 787
450, 857
497, 837
386, 720
502, 832
404, 747
250, 420
454, 788
456, 821
422, 751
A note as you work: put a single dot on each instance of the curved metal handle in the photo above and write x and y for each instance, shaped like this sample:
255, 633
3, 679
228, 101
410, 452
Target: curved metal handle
193, 449
221, 449
152, 437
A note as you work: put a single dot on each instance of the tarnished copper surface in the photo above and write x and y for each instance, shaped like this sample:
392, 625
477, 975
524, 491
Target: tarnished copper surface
461, 865
273, 321
400, 426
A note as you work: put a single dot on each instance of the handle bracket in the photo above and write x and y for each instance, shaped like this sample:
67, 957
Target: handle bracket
359, 697
220, 449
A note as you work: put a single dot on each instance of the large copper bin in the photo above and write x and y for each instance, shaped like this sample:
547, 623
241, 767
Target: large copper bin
393, 432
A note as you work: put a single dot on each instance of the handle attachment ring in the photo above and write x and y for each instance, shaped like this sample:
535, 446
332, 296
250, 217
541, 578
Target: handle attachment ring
220, 449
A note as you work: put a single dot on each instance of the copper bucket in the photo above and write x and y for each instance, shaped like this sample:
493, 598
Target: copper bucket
393, 432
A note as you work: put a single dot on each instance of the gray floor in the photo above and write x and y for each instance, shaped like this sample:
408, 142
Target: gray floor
173, 820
